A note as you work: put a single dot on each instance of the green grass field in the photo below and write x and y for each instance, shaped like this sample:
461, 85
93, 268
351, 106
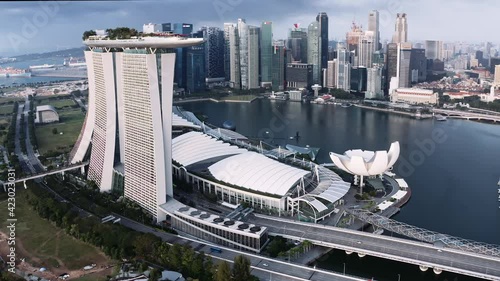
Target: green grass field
239, 98
45, 244
6, 109
5, 100
70, 124
58, 104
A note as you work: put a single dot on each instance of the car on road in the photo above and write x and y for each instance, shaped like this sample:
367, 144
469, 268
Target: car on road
359, 242
265, 264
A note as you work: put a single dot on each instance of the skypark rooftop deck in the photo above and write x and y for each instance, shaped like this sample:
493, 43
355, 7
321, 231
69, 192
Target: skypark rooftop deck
144, 42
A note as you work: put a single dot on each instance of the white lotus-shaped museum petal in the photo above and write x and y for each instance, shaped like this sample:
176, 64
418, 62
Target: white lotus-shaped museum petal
367, 163
393, 153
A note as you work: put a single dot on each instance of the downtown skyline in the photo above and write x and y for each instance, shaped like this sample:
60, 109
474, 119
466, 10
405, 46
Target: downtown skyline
63, 23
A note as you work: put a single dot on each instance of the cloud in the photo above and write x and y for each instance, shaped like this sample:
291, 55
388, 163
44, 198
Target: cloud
448, 20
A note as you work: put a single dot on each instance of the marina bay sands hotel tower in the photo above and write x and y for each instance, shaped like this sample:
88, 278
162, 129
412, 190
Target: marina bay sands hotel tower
128, 127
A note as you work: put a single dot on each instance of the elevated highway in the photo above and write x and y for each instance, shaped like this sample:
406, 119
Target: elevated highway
425, 255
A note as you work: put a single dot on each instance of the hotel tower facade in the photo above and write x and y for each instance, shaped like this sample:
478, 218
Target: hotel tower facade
128, 127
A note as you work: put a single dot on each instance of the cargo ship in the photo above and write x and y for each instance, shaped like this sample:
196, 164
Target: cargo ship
13, 72
43, 66
75, 62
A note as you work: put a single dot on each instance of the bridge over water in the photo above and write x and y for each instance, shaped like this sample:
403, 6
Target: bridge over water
426, 255
469, 115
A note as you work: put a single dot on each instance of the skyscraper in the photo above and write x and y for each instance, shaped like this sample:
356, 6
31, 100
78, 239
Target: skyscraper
228, 28
418, 65
233, 44
253, 57
401, 29
366, 49
278, 65
374, 83
266, 51
297, 44
391, 64
214, 52
433, 49
497, 76
313, 50
343, 68
180, 78
195, 69
330, 81
353, 37
404, 59
129, 117
373, 26
322, 19
243, 51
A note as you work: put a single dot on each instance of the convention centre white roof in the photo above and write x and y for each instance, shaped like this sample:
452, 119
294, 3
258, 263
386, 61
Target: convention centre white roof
257, 172
367, 163
194, 147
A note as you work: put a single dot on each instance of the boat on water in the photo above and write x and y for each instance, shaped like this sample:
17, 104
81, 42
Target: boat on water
345, 105
43, 66
14, 72
75, 62
440, 117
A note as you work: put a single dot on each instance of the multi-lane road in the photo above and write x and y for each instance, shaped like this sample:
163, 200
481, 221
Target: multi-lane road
403, 250
263, 267
32, 158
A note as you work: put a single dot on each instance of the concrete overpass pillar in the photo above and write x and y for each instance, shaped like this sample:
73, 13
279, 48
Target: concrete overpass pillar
62, 173
82, 170
24, 183
423, 268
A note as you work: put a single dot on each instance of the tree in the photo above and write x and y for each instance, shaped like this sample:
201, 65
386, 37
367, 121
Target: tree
241, 269
223, 272
154, 275
54, 131
144, 244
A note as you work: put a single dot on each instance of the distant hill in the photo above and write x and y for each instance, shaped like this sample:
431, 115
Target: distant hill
74, 52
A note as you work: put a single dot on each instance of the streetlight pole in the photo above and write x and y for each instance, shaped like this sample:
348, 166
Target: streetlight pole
344, 268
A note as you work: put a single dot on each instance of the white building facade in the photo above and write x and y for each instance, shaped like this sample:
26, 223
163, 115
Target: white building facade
415, 96
129, 120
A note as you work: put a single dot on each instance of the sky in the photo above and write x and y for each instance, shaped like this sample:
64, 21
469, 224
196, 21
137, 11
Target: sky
27, 27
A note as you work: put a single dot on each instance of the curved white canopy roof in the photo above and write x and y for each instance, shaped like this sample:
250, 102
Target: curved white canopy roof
257, 172
194, 147
178, 121
367, 163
